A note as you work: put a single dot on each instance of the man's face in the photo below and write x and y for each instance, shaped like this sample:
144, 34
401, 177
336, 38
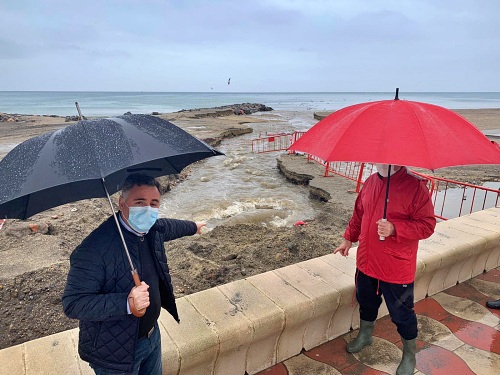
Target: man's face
383, 169
140, 196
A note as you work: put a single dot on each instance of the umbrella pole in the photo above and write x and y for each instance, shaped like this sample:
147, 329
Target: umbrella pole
384, 218
133, 270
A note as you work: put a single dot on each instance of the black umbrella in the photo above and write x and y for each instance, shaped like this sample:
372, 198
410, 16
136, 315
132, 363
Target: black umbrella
92, 159
73, 163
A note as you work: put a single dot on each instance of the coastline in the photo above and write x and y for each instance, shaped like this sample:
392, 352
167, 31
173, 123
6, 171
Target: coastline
35, 263
209, 124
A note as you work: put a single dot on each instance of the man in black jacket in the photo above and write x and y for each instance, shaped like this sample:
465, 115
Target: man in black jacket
100, 291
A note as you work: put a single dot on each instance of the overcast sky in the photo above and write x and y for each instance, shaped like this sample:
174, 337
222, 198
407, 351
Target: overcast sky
267, 45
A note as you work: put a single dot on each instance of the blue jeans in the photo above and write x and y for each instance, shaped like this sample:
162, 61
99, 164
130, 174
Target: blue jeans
147, 357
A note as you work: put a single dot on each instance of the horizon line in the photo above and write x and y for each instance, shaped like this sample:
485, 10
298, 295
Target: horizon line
247, 92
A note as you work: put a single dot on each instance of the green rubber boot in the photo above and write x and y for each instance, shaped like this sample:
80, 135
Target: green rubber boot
364, 337
407, 365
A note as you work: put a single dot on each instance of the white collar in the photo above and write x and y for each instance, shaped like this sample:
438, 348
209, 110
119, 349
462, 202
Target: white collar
129, 228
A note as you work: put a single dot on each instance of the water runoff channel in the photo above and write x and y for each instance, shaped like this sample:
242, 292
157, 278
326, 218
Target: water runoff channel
244, 187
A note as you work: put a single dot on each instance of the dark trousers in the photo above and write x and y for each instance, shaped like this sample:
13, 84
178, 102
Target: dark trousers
398, 298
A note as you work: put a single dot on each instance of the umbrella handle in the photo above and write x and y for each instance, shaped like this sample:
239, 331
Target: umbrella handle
382, 238
135, 276
384, 219
136, 312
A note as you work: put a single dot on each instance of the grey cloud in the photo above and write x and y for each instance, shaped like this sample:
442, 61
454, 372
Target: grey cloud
385, 26
10, 50
13, 50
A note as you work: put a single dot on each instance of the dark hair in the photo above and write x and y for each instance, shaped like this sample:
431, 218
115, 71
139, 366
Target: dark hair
138, 179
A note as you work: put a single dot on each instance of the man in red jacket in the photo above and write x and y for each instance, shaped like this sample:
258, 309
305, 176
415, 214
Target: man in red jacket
387, 267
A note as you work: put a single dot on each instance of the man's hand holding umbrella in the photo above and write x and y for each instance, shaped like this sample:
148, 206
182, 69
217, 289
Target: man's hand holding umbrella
385, 228
138, 298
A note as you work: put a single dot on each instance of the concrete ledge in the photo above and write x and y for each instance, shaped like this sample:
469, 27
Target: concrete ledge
250, 324
298, 308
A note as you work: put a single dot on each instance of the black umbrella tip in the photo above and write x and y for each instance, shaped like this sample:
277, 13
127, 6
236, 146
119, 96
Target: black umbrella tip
397, 94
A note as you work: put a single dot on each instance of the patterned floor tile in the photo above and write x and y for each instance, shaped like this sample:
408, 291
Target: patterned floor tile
333, 353
434, 332
479, 291
475, 334
467, 291
480, 361
466, 309
361, 369
434, 360
431, 308
381, 355
386, 329
303, 365
492, 275
488, 288
278, 369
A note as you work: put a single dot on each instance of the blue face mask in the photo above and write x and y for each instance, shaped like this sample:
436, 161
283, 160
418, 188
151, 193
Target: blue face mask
141, 219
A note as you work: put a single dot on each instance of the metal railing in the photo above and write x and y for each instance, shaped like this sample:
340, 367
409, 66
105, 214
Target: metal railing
272, 142
454, 199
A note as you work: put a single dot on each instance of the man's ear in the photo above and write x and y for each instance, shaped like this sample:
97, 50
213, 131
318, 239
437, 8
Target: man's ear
121, 202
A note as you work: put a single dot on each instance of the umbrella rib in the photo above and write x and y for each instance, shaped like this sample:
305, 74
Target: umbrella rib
126, 124
429, 162
330, 156
92, 145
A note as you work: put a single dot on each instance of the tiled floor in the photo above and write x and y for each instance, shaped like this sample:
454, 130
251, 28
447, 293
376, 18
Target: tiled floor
458, 335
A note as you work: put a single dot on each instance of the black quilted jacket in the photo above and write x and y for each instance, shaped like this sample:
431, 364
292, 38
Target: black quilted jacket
99, 282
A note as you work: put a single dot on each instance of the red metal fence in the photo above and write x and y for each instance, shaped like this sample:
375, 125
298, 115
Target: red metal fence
450, 198
272, 142
454, 199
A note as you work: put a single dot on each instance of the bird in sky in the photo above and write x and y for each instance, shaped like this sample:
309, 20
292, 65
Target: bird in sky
229, 81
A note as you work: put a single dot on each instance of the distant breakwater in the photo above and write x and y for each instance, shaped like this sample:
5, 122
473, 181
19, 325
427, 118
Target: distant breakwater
227, 110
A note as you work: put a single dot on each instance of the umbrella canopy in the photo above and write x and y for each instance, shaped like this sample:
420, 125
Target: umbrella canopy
72, 163
398, 132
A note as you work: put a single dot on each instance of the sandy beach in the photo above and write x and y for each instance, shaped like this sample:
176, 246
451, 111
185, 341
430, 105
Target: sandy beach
33, 266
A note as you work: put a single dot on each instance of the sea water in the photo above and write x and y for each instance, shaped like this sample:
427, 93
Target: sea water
117, 103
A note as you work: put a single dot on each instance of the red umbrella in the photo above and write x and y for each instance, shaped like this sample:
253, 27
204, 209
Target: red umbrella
398, 132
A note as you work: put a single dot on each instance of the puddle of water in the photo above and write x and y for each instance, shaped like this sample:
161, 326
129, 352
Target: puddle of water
449, 205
